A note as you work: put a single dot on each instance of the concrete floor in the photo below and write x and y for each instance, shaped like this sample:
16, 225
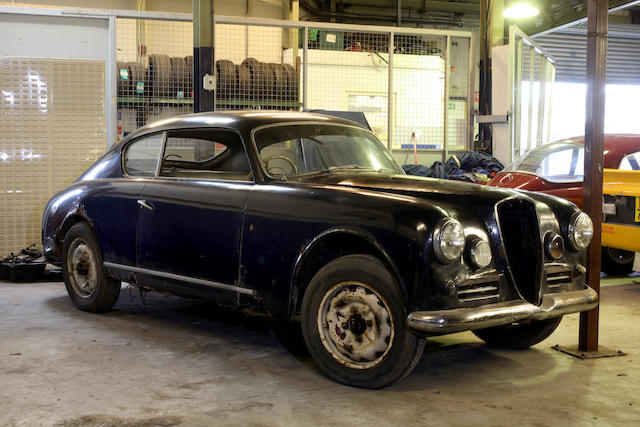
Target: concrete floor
178, 362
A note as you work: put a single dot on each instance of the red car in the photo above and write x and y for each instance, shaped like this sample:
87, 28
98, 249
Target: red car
558, 169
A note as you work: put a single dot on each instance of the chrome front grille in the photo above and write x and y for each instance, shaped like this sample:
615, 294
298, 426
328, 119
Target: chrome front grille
520, 233
558, 278
480, 289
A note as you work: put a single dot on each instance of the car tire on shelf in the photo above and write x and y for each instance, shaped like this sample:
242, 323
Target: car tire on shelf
519, 336
353, 322
617, 262
279, 82
123, 84
243, 76
269, 80
136, 74
188, 87
178, 76
292, 82
226, 81
89, 288
159, 75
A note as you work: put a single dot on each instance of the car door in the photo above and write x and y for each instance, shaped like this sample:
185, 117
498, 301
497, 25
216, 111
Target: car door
114, 209
191, 214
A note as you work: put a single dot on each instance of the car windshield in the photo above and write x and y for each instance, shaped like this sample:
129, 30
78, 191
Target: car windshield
556, 162
289, 150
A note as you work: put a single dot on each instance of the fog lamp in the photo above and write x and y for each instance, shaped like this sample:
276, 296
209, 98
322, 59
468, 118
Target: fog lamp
554, 245
480, 253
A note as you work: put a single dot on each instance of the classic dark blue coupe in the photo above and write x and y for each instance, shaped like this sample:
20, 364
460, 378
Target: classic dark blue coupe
308, 217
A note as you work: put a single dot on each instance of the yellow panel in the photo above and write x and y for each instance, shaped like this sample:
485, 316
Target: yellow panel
52, 127
621, 237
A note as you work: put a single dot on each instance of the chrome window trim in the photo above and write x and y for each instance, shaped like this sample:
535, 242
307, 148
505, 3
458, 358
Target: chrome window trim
217, 285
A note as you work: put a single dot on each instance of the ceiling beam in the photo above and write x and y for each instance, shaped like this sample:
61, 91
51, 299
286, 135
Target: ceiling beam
470, 7
574, 17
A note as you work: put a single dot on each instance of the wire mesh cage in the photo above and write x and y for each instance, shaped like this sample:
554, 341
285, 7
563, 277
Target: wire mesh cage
257, 67
413, 86
154, 71
349, 71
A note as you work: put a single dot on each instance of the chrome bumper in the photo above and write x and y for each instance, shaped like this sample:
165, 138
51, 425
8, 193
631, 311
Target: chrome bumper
465, 319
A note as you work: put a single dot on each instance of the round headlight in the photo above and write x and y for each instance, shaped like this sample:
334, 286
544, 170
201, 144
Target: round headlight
480, 253
555, 245
580, 231
448, 240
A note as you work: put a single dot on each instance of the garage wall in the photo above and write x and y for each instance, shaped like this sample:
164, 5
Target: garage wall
52, 114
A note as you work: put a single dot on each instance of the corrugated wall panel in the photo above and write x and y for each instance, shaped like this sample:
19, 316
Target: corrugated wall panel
569, 48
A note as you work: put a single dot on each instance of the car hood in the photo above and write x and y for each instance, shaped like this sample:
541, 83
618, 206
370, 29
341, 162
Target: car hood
454, 192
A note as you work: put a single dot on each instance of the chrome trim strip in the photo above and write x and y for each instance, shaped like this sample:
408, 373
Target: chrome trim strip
503, 313
172, 276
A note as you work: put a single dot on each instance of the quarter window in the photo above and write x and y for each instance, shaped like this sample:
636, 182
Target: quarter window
141, 156
205, 154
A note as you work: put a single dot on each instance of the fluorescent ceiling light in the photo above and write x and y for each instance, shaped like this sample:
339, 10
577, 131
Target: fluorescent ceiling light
520, 10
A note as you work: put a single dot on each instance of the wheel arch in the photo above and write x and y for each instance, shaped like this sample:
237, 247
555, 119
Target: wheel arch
328, 246
69, 221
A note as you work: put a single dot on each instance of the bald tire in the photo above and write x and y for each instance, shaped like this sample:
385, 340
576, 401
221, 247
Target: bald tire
519, 336
107, 289
406, 348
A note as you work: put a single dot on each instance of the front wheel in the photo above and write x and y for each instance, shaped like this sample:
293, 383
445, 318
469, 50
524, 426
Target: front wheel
84, 278
519, 335
353, 322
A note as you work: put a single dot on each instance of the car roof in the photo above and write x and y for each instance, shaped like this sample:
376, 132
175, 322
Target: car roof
239, 120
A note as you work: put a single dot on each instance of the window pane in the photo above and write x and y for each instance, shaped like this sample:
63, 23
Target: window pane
631, 162
141, 157
205, 154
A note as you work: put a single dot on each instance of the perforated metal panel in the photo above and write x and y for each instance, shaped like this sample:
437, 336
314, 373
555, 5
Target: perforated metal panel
52, 127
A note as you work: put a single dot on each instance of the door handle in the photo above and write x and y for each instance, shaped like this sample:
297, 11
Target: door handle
145, 204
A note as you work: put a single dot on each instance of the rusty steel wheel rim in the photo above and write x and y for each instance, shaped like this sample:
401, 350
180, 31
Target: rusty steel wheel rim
355, 325
82, 268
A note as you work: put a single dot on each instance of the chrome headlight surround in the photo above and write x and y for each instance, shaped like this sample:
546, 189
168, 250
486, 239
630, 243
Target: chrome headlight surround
554, 245
448, 240
580, 231
480, 253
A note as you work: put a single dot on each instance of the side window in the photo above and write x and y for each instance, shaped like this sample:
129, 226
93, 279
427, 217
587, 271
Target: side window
205, 154
631, 162
141, 156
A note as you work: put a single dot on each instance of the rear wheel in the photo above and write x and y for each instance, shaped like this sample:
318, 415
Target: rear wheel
84, 277
519, 335
617, 262
353, 322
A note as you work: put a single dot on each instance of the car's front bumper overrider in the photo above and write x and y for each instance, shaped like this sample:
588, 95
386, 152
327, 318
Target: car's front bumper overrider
503, 313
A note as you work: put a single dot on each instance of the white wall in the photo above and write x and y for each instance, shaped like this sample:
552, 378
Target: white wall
53, 37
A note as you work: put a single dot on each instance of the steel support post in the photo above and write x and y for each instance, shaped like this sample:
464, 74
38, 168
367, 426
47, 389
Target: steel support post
593, 159
203, 38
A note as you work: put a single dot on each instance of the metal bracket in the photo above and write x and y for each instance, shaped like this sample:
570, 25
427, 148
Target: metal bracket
583, 355
494, 119
209, 82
